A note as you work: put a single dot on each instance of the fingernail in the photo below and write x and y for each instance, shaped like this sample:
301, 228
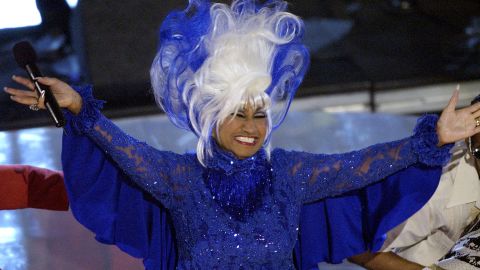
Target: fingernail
458, 87
14, 76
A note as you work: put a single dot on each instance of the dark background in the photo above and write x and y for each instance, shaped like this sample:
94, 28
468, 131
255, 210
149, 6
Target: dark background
378, 45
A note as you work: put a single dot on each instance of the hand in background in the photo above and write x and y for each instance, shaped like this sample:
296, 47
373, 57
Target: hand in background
454, 125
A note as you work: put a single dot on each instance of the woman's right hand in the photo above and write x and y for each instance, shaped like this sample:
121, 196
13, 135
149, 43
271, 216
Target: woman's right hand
64, 94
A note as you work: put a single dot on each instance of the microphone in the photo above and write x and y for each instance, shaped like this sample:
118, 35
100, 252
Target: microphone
26, 57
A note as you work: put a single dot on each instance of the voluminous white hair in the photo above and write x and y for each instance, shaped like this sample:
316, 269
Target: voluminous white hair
237, 70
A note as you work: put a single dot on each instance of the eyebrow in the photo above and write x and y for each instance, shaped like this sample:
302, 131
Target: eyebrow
257, 110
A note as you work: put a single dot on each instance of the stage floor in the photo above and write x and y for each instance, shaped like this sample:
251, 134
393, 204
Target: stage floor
39, 239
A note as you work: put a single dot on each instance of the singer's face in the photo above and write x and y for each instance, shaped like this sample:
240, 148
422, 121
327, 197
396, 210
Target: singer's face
243, 133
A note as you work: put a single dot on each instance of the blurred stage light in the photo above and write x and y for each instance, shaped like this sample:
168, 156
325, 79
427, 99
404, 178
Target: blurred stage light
19, 13
72, 3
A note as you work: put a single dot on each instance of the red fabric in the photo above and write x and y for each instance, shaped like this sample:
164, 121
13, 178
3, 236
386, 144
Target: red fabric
23, 186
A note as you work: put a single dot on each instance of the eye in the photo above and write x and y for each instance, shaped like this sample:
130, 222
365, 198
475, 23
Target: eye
239, 114
260, 115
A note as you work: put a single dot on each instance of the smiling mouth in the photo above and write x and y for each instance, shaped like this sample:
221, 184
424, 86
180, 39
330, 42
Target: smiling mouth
250, 141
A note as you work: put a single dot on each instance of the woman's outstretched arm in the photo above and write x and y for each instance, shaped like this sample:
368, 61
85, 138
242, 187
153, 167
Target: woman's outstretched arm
329, 175
102, 196
157, 172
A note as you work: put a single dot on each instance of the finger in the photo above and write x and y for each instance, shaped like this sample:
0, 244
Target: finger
18, 92
24, 81
474, 108
25, 100
40, 102
48, 80
476, 114
454, 99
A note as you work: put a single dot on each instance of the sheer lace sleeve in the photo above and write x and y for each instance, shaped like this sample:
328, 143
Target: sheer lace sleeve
321, 175
158, 172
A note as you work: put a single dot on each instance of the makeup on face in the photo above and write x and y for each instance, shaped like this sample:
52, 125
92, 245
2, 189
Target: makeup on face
243, 133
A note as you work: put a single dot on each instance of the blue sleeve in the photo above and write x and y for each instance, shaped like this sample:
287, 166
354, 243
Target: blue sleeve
322, 176
336, 228
106, 201
160, 173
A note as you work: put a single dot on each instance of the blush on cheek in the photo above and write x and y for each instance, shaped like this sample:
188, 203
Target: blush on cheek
219, 142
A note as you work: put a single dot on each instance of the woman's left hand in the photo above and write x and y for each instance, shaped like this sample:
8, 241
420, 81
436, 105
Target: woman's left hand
454, 125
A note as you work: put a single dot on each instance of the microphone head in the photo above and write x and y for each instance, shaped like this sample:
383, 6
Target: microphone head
24, 53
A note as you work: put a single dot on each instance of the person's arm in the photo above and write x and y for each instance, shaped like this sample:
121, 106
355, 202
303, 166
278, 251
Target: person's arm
384, 261
158, 172
23, 186
104, 200
321, 176
102, 197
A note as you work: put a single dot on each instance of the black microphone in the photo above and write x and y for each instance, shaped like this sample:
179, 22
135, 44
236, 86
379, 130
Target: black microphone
26, 57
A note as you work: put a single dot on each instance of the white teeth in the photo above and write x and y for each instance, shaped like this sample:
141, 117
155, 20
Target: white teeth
245, 139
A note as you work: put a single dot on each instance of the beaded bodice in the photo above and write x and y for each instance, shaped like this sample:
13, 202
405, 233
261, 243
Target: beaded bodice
209, 236
238, 186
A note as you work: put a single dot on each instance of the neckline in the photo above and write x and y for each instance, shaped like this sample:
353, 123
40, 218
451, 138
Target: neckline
238, 186
227, 162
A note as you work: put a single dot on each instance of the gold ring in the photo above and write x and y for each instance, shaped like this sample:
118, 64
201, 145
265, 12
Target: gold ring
477, 122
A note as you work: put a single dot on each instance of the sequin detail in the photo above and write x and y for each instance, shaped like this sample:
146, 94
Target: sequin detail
89, 112
426, 140
238, 186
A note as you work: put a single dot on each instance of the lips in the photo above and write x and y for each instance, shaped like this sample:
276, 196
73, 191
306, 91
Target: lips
246, 140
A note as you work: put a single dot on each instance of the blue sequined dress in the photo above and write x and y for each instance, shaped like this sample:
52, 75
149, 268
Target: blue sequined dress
231, 214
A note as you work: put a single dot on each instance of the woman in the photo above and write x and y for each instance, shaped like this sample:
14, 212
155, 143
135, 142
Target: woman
228, 74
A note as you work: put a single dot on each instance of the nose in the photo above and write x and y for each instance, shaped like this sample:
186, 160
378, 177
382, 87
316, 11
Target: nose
249, 126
